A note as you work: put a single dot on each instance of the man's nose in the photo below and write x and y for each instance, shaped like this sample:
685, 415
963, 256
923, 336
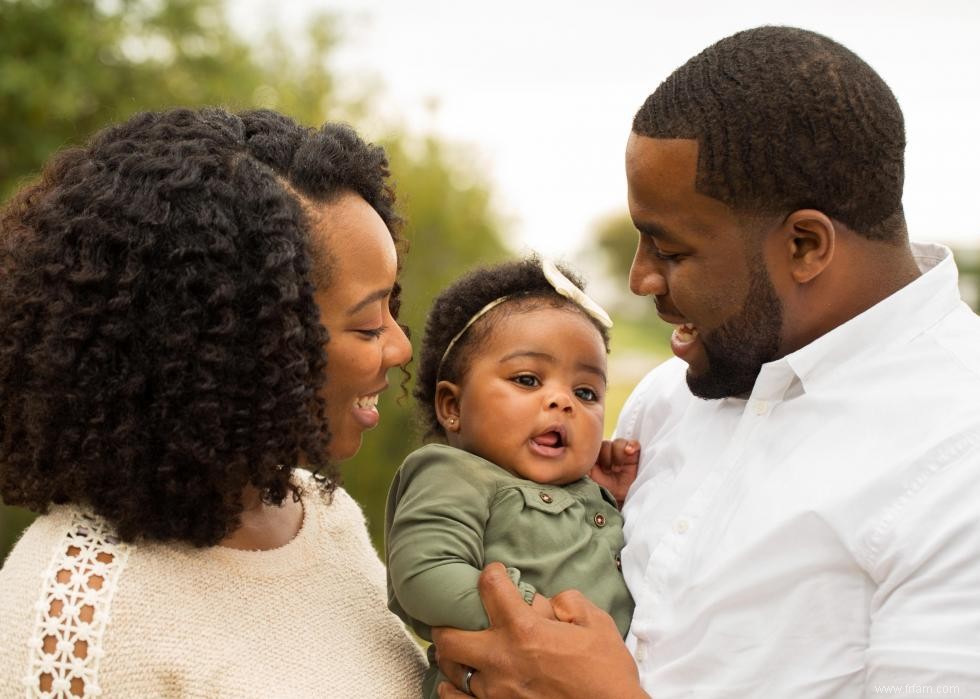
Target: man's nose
646, 276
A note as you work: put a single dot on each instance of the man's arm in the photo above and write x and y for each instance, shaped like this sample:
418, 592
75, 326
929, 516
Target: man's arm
523, 654
925, 614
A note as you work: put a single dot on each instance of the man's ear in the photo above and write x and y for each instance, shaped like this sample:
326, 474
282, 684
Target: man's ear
447, 405
809, 240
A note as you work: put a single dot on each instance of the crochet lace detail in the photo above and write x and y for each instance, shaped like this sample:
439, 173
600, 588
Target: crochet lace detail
73, 610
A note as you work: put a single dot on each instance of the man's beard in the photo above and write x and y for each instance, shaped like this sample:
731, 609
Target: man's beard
737, 350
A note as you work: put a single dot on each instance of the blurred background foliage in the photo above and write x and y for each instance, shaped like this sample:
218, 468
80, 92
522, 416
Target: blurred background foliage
70, 67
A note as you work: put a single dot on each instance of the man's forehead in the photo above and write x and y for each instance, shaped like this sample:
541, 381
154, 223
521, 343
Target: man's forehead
662, 192
660, 165
641, 149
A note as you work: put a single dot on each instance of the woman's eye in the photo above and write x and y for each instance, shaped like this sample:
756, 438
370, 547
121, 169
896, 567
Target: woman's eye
372, 333
527, 380
587, 394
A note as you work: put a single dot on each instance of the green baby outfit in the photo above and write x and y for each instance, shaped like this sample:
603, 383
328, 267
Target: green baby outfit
449, 513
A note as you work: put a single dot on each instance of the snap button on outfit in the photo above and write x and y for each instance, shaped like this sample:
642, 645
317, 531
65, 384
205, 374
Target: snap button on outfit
599, 519
545, 497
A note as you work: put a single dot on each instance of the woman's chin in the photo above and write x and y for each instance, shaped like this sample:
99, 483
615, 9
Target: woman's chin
343, 449
346, 442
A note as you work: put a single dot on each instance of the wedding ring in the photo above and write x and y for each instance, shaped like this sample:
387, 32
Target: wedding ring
467, 676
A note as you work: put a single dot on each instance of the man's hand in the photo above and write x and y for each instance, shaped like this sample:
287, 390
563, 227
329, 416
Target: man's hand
615, 468
522, 654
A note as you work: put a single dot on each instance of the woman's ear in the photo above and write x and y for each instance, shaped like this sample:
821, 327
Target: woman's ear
447, 405
809, 237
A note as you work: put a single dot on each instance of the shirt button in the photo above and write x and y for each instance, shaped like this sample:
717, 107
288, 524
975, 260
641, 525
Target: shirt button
545, 497
599, 519
681, 526
619, 562
761, 407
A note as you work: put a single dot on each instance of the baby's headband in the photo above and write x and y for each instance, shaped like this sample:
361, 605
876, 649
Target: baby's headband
560, 283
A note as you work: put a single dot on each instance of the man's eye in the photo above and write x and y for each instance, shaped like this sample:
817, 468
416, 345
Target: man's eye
527, 380
587, 394
665, 256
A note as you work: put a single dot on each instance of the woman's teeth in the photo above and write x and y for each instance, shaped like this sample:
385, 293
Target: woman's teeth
367, 402
685, 333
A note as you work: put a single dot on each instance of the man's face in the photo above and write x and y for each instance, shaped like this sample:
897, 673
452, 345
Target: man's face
704, 267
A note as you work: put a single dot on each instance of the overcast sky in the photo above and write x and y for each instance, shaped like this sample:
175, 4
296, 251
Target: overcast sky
541, 94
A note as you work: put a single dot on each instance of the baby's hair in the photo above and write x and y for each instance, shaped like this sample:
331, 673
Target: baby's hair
526, 288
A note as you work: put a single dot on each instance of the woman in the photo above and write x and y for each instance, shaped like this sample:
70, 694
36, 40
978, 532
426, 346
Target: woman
191, 306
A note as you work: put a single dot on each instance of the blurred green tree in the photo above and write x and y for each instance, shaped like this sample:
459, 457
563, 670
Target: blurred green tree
638, 330
968, 262
615, 236
69, 67
450, 227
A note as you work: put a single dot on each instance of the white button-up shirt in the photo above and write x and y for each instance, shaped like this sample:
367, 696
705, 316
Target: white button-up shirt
822, 537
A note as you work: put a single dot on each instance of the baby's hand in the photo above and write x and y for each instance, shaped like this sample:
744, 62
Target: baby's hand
615, 469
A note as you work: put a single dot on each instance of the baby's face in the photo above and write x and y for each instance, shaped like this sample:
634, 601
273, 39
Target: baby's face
532, 400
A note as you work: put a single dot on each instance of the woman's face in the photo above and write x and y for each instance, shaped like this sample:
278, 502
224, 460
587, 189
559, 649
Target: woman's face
365, 341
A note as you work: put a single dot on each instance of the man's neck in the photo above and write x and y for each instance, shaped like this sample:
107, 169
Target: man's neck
866, 274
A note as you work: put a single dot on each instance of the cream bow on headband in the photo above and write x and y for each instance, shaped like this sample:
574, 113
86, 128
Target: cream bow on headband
564, 286
560, 283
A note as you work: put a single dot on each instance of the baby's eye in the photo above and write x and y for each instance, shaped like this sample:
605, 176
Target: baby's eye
527, 380
586, 394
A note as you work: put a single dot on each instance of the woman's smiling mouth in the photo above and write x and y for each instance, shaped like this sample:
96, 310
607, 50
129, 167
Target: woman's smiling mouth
366, 410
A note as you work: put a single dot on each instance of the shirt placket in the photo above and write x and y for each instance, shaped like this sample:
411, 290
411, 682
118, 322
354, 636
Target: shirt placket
663, 572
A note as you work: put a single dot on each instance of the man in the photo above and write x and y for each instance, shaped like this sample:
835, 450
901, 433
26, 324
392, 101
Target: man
805, 519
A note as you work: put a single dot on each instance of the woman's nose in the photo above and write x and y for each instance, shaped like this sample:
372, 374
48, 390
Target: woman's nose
399, 349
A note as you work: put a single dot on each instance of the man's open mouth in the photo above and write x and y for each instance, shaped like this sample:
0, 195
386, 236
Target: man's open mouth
685, 333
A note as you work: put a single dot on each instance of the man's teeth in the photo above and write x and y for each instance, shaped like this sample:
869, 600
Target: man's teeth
686, 332
367, 402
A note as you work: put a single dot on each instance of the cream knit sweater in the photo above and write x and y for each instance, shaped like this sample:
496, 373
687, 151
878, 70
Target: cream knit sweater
83, 614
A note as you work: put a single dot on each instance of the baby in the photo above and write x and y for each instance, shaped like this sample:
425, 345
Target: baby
512, 376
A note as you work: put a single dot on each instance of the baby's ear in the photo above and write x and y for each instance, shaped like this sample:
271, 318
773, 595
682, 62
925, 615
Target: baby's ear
447, 405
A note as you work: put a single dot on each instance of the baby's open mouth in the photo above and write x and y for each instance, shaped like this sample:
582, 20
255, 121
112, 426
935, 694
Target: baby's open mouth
553, 439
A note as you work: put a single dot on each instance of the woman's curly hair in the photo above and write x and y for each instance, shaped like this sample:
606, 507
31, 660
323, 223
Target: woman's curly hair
160, 347
521, 282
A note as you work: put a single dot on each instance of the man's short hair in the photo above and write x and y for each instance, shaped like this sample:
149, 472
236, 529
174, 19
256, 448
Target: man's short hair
788, 119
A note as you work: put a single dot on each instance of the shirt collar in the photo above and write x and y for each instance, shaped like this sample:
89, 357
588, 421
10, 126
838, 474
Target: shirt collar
896, 319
